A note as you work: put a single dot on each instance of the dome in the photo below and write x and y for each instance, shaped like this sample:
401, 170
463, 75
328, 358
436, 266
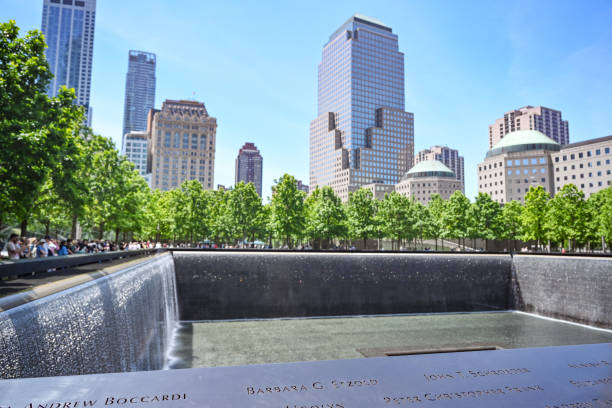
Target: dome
523, 140
429, 168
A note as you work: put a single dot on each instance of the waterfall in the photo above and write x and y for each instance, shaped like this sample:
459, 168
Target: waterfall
123, 321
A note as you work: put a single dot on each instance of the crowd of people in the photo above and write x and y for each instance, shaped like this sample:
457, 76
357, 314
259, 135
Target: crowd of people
24, 248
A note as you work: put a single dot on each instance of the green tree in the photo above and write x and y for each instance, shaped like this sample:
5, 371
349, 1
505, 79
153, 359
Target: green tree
243, 206
436, 208
422, 221
567, 216
484, 218
111, 187
158, 216
600, 205
34, 129
197, 204
456, 217
219, 222
511, 222
131, 200
533, 217
70, 177
287, 205
361, 210
325, 217
396, 214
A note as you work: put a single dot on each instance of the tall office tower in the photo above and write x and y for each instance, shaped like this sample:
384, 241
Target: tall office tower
545, 120
362, 134
68, 26
139, 91
449, 157
249, 164
181, 145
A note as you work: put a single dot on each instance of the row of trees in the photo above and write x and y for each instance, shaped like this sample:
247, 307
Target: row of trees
192, 214
58, 175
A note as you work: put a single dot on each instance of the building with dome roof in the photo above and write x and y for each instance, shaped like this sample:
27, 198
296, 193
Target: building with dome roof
426, 178
520, 160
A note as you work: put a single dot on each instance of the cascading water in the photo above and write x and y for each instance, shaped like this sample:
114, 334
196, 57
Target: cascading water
120, 322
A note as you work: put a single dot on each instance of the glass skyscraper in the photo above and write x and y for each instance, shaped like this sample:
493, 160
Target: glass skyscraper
68, 26
139, 91
362, 134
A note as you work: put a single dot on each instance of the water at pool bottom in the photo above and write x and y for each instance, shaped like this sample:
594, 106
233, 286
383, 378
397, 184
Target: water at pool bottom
229, 343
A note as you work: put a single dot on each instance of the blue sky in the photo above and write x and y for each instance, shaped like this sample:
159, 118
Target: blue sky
254, 65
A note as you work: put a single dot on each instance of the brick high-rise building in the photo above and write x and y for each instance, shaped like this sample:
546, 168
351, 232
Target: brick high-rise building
249, 165
545, 120
362, 134
68, 26
449, 157
182, 139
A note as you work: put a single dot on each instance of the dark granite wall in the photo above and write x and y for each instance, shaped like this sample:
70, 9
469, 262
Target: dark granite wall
234, 285
571, 288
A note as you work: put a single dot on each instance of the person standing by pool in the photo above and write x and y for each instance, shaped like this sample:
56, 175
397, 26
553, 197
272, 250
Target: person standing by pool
14, 248
63, 249
42, 251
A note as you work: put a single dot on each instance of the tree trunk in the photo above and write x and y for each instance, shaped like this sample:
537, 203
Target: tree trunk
24, 227
47, 228
101, 231
117, 236
75, 223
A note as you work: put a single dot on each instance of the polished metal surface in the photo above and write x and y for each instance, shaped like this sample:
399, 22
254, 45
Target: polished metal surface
567, 376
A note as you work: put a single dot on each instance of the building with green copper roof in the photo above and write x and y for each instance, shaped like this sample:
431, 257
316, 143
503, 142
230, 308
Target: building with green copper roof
429, 168
517, 162
524, 140
426, 178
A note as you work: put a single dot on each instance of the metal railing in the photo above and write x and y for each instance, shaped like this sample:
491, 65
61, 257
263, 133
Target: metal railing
36, 265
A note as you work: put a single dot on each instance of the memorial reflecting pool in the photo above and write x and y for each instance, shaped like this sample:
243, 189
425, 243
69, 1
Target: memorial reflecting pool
242, 342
